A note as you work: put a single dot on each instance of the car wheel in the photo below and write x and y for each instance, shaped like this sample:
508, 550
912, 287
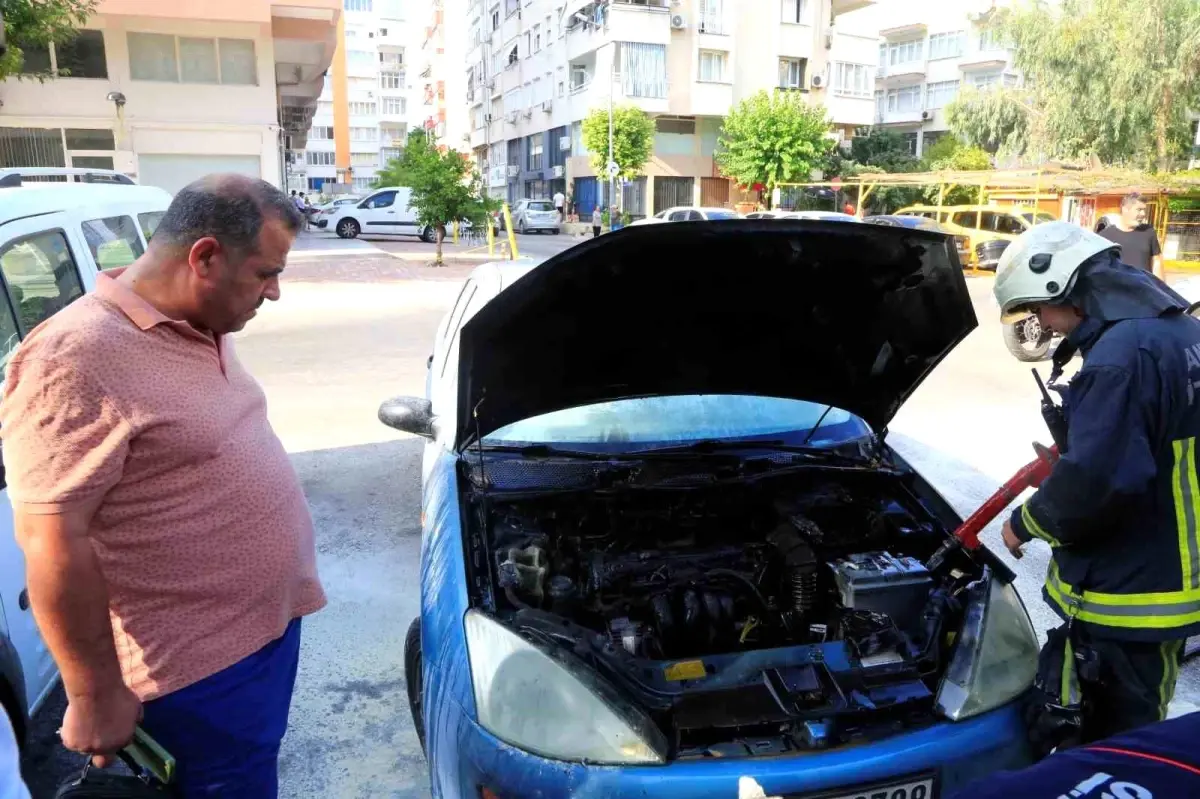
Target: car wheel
1027, 340
428, 235
413, 678
348, 229
521, 227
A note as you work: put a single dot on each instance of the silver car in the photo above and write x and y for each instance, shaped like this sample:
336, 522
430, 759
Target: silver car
531, 215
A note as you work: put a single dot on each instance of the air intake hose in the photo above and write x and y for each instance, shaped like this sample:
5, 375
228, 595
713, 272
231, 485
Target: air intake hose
800, 566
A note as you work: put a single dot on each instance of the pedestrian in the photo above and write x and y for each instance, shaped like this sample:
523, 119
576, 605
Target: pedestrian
168, 544
1137, 239
1121, 507
597, 221
559, 204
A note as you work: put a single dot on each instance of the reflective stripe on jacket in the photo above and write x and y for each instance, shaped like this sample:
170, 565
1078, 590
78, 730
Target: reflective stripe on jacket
1121, 509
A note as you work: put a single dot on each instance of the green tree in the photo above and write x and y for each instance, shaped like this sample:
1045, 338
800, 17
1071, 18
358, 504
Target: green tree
880, 150
32, 25
768, 139
997, 121
446, 187
633, 140
950, 155
1107, 78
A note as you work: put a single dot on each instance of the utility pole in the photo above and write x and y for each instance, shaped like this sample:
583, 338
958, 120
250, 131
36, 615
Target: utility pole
612, 178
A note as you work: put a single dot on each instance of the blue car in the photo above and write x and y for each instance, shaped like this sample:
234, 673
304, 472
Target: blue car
666, 548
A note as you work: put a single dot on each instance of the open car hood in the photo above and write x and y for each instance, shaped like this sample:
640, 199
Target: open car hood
850, 315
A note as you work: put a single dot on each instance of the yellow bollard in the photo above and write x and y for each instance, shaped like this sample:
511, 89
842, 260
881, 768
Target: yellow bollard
491, 238
513, 253
454, 227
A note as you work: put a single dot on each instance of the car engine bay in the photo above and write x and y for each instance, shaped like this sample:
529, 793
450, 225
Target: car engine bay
746, 618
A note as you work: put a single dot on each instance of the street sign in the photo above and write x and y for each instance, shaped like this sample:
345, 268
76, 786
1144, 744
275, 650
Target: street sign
835, 184
613, 169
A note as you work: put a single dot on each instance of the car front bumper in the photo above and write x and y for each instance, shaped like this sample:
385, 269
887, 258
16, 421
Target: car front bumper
470, 758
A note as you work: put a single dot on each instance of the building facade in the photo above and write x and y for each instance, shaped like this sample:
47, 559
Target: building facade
368, 104
536, 68
169, 92
928, 53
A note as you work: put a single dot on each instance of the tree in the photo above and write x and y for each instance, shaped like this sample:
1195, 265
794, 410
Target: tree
946, 155
768, 139
633, 140
882, 150
1107, 78
997, 121
445, 186
33, 25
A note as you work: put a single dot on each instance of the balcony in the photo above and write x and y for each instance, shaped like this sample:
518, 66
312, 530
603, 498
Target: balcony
905, 32
983, 60
892, 74
846, 6
903, 117
619, 22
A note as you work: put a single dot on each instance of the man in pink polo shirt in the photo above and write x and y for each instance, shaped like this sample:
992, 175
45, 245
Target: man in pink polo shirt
169, 547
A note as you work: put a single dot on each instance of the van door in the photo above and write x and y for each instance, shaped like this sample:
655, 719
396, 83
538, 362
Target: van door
406, 215
39, 275
378, 213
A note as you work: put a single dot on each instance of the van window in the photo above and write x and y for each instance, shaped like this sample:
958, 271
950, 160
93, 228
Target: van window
42, 277
113, 241
1006, 223
383, 199
9, 337
149, 222
966, 219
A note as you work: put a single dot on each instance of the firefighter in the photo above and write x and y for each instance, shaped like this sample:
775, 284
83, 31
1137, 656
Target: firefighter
1121, 508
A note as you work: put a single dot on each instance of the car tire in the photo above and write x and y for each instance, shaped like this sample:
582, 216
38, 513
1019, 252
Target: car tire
413, 679
1027, 341
348, 229
521, 227
428, 235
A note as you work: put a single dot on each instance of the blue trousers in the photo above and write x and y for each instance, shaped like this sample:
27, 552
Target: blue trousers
224, 731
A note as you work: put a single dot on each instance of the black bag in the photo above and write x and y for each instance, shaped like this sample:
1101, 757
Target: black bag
95, 783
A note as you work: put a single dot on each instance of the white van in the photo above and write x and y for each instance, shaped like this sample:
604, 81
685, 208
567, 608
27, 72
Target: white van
54, 239
383, 212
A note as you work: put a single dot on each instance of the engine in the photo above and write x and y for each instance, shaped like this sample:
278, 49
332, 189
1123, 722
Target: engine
699, 578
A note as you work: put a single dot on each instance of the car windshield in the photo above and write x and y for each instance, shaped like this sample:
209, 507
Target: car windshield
542, 205
719, 214
1038, 218
673, 420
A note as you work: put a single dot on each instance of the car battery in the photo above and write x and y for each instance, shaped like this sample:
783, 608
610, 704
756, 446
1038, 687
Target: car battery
883, 583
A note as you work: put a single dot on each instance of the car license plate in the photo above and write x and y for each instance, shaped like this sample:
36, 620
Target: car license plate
912, 788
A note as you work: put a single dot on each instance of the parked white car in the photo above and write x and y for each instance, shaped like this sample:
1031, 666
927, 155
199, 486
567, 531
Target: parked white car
530, 216
384, 212
825, 216
54, 239
683, 213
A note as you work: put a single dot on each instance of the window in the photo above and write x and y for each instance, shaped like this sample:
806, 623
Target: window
537, 38
364, 159
182, 59
149, 222
320, 132
394, 60
364, 134
984, 81
325, 107
496, 20
795, 11
989, 40
939, 95
681, 127
82, 57
528, 43
113, 241
853, 80
92, 161
579, 77
644, 70
383, 32
362, 184
9, 337
906, 98
362, 109
360, 58
320, 158
712, 65
390, 153
712, 16
910, 139
42, 278
83, 139
317, 184
946, 45
384, 199
356, 5
1009, 80
791, 73
535, 152
390, 80
905, 52
513, 57
393, 105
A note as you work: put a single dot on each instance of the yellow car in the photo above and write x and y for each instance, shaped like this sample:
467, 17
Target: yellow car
989, 228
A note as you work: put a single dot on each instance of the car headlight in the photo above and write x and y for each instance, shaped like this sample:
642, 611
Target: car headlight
547, 703
996, 658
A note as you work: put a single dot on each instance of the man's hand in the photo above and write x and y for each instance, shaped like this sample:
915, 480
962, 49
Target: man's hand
1011, 541
101, 724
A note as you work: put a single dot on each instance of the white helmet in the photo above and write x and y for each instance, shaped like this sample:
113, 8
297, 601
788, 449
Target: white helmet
1040, 266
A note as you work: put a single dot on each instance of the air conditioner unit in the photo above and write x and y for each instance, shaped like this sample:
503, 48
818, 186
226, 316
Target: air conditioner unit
513, 170
487, 118
564, 142
817, 81
678, 22
547, 105
527, 113
926, 115
559, 171
512, 117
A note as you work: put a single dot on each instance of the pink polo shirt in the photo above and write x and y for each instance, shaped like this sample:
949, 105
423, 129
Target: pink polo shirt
203, 534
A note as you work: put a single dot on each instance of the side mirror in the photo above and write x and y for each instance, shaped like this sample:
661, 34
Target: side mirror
408, 414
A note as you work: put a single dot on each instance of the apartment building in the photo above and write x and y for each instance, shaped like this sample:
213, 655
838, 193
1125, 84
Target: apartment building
168, 92
367, 106
442, 80
928, 52
536, 68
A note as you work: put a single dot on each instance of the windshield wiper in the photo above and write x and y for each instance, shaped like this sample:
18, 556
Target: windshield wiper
771, 445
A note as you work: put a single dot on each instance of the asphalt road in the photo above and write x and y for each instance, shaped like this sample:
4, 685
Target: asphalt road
354, 326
